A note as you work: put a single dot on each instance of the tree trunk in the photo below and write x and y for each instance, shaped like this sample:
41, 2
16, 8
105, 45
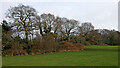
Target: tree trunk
26, 34
41, 30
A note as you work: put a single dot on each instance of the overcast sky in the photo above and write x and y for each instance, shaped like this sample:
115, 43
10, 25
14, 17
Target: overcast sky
101, 13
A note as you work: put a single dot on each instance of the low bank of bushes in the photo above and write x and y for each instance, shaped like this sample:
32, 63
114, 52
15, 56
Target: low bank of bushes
42, 46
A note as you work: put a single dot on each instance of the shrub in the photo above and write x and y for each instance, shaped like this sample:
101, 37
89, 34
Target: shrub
80, 46
70, 47
43, 45
16, 49
86, 43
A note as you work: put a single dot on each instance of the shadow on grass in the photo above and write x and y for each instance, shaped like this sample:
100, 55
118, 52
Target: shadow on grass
105, 49
60, 67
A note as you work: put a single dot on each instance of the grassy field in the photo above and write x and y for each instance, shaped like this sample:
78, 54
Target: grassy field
91, 56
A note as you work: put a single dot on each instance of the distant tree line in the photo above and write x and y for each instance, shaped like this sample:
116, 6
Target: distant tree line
26, 32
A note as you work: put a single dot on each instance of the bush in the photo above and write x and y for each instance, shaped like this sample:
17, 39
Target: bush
86, 43
80, 46
43, 45
16, 49
70, 47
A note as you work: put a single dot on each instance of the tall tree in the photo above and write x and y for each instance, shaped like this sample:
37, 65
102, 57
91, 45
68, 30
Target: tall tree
94, 38
48, 23
22, 18
6, 35
86, 28
68, 26
113, 38
45, 23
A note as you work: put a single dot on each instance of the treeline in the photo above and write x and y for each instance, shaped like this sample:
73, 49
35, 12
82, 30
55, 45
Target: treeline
26, 32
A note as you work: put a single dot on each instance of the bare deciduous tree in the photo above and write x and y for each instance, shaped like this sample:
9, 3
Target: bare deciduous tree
68, 26
22, 18
86, 27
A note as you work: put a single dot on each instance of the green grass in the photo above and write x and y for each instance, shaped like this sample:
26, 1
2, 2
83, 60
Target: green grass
91, 56
0, 61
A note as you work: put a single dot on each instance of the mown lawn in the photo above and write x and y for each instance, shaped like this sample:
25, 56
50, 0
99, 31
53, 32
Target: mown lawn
91, 56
